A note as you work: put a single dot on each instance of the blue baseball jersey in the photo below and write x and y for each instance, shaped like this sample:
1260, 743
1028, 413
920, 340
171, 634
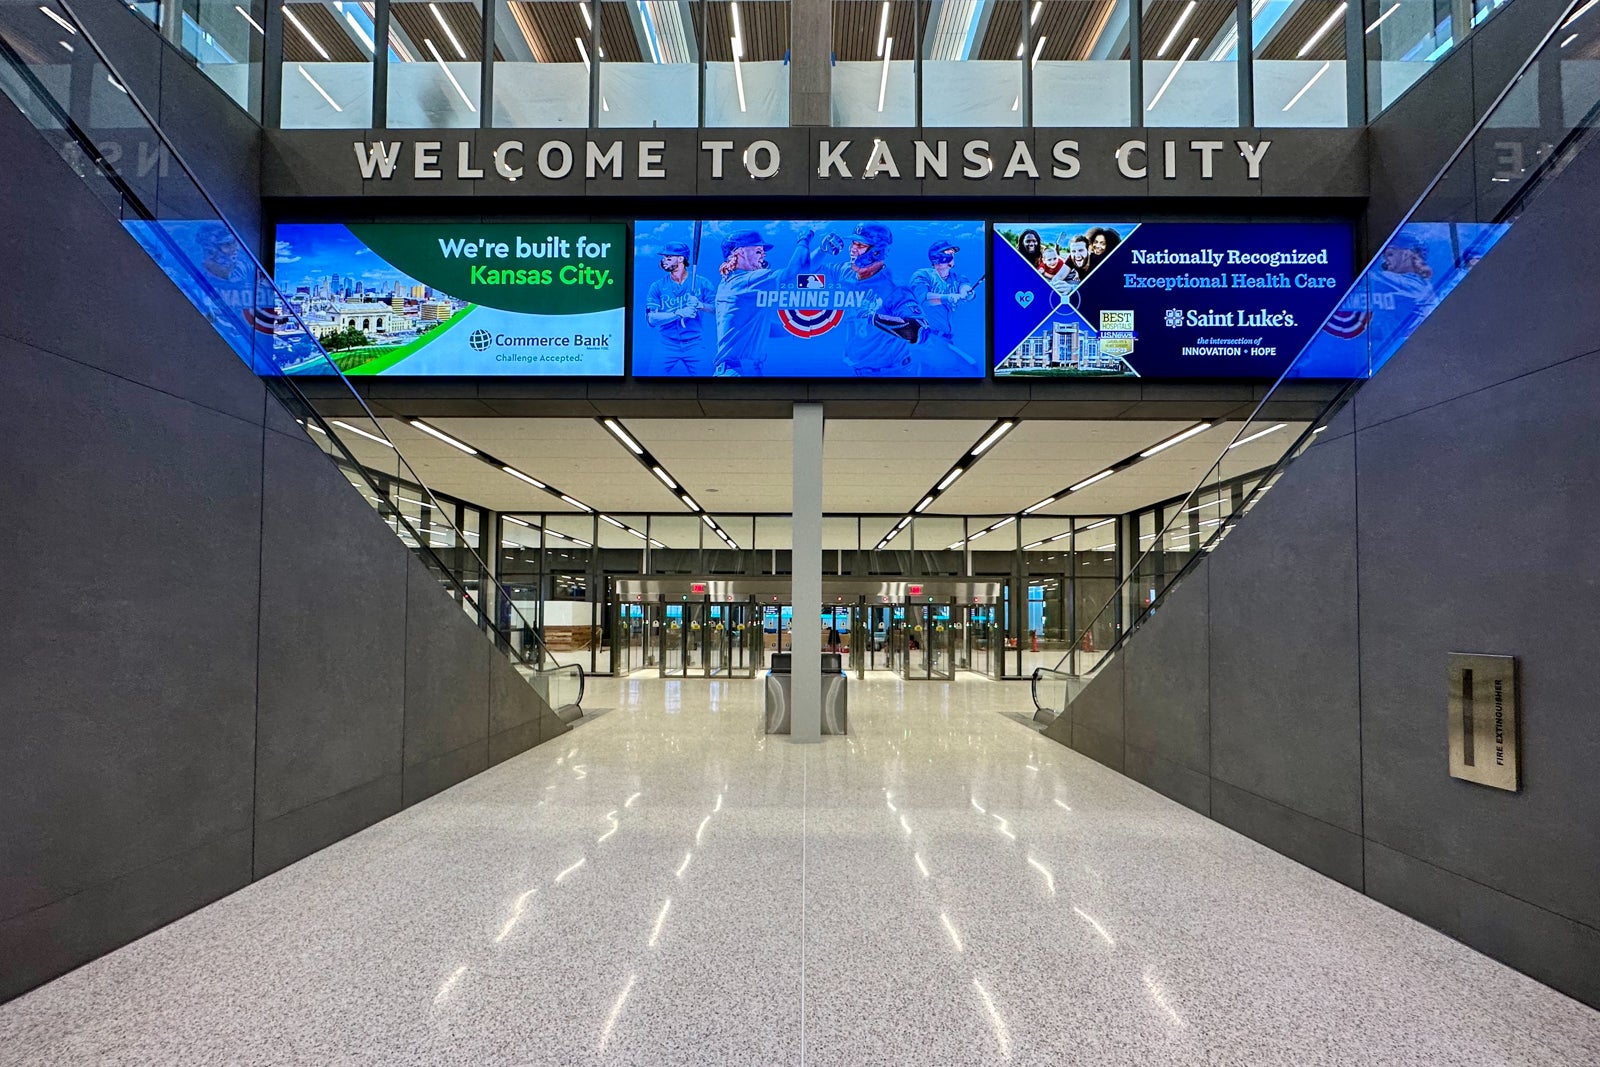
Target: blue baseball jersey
668, 295
925, 283
868, 348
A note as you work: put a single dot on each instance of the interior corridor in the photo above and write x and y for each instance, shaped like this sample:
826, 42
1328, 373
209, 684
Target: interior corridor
666, 886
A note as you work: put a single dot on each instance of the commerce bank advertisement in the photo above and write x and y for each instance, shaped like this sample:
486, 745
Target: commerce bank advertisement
1163, 300
469, 299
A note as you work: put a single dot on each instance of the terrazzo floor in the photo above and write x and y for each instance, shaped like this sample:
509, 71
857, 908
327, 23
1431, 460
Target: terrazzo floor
666, 886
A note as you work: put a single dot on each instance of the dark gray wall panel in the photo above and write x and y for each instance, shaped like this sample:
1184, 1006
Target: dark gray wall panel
51, 940
297, 834
519, 718
1099, 746
1187, 786
1321, 846
332, 657
1168, 681
129, 688
70, 256
446, 687
1284, 696
429, 776
1541, 944
1100, 706
1490, 549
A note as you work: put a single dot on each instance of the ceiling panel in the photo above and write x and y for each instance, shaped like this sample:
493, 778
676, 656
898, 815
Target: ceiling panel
878, 466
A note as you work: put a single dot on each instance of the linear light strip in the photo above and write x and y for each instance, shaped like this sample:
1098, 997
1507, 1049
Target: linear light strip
288, 13
445, 26
437, 58
1173, 73
1177, 27
1328, 24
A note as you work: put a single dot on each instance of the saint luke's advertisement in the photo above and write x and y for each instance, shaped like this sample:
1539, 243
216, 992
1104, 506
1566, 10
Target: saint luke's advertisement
459, 299
809, 299
1163, 300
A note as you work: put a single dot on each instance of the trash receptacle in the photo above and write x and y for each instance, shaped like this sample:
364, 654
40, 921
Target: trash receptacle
779, 694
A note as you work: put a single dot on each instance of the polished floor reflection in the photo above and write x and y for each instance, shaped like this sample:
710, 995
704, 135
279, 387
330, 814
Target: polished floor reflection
666, 886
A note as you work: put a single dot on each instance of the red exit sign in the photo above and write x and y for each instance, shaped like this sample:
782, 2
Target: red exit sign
914, 590
697, 587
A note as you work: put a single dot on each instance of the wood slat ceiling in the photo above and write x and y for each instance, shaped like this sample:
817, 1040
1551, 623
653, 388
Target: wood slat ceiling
1210, 20
764, 24
1297, 28
1003, 33
855, 29
333, 35
619, 43
552, 30
417, 22
1072, 28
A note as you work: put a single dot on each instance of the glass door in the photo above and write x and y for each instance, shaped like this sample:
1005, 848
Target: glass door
673, 640
961, 638
730, 652
777, 620
941, 635
695, 651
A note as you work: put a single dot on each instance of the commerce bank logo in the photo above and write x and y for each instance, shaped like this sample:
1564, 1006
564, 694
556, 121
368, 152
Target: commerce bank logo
480, 340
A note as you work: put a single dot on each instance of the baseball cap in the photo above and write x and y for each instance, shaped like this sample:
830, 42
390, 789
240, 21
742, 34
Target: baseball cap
1407, 242
676, 248
747, 239
940, 251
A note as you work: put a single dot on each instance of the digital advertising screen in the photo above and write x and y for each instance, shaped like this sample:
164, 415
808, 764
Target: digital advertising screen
809, 299
472, 299
1163, 299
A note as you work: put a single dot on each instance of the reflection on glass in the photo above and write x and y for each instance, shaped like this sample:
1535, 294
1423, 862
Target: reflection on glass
874, 80
1300, 62
541, 63
972, 55
226, 41
649, 64
747, 62
435, 54
1191, 63
1403, 38
327, 65
1080, 64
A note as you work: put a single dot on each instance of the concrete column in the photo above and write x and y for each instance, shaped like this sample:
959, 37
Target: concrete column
810, 72
805, 716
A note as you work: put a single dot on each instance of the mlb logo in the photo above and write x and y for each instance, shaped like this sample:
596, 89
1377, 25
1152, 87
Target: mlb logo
812, 281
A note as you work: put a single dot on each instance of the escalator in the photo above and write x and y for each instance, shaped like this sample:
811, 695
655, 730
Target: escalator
57, 75
1532, 133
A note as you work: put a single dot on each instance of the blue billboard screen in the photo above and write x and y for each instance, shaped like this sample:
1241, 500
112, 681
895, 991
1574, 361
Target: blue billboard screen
809, 299
1163, 300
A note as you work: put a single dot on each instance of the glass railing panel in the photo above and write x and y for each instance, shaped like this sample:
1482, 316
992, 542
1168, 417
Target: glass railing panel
649, 64
227, 41
746, 62
326, 78
1079, 62
1299, 63
874, 79
1191, 62
972, 61
435, 63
